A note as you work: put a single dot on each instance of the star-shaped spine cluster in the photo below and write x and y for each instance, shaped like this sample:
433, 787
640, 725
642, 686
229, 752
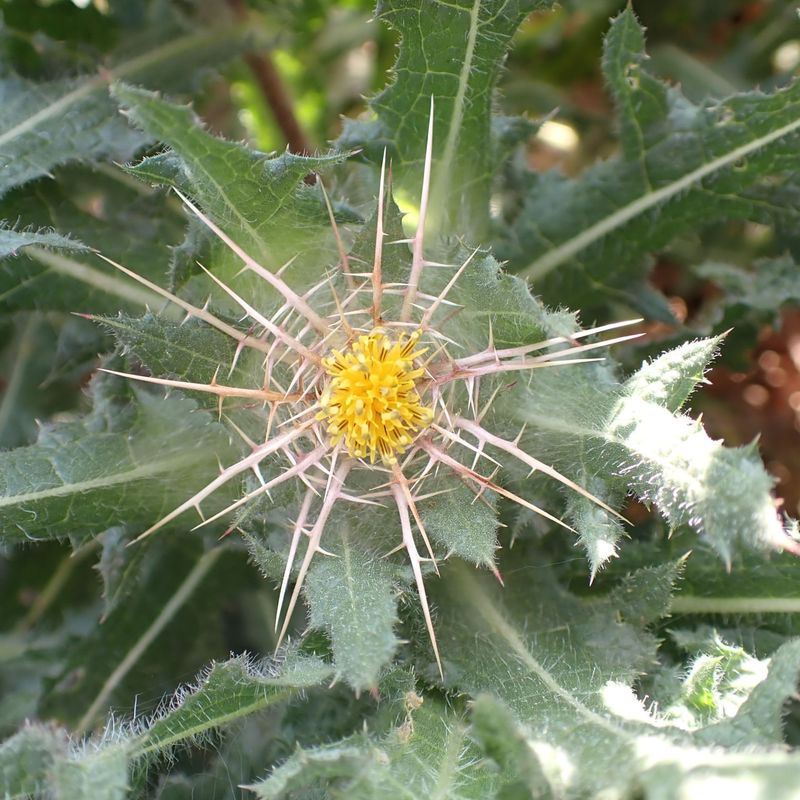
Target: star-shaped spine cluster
368, 391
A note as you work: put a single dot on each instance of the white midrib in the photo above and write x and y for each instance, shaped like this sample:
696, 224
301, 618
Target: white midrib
123, 70
213, 722
688, 604
457, 118
558, 255
143, 471
483, 604
94, 277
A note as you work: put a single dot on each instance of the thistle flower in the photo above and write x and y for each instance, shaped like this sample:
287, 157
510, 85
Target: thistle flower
363, 378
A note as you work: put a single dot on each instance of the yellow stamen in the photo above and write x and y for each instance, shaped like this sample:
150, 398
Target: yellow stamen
371, 403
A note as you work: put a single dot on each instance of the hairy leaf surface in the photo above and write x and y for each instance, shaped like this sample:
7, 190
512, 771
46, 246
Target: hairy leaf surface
681, 166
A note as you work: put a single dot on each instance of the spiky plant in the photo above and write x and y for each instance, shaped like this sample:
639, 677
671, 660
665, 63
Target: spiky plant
366, 393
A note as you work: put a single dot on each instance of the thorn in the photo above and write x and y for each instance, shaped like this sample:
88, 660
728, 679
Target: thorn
417, 258
277, 283
496, 572
191, 310
313, 543
377, 275
413, 557
344, 262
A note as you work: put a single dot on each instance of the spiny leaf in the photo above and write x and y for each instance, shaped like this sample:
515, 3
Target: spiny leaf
192, 351
159, 630
29, 360
669, 379
505, 742
543, 655
598, 531
352, 596
229, 691
453, 52
260, 202
79, 479
774, 775
42, 761
681, 166
429, 754
762, 291
460, 523
47, 124
128, 223
722, 493
759, 718
644, 596
754, 585
14, 241
568, 665
26, 758
102, 775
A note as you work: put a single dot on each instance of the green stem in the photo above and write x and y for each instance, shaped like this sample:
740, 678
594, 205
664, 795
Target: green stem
25, 350
190, 583
56, 583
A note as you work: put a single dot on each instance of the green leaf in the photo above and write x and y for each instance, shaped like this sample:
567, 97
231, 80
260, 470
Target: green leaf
26, 758
42, 760
260, 202
79, 478
26, 362
452, 52
644, 596
505, 742
168, 610
762, 291
759, 718
724, 681
229, 691
598, 532
193, 351
619, 432
50, 123
102, 775
670, 379
14, 241
458, 523
585, 240
754, 585
105, 210
567, 666
772, 775
429, 754
501, 303
563, 665
352, 596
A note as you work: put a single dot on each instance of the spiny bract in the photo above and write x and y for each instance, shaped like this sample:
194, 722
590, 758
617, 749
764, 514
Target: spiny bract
367, 386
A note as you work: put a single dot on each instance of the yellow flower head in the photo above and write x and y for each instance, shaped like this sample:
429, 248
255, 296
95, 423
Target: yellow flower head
371, 403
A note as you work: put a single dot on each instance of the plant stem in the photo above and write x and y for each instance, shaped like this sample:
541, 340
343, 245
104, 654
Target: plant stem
56, 583
190, 583
275, 92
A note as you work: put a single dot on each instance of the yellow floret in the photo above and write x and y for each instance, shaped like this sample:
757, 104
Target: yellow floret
371, 403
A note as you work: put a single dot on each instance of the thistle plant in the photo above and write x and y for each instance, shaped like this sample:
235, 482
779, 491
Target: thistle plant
382, 442
352, 378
